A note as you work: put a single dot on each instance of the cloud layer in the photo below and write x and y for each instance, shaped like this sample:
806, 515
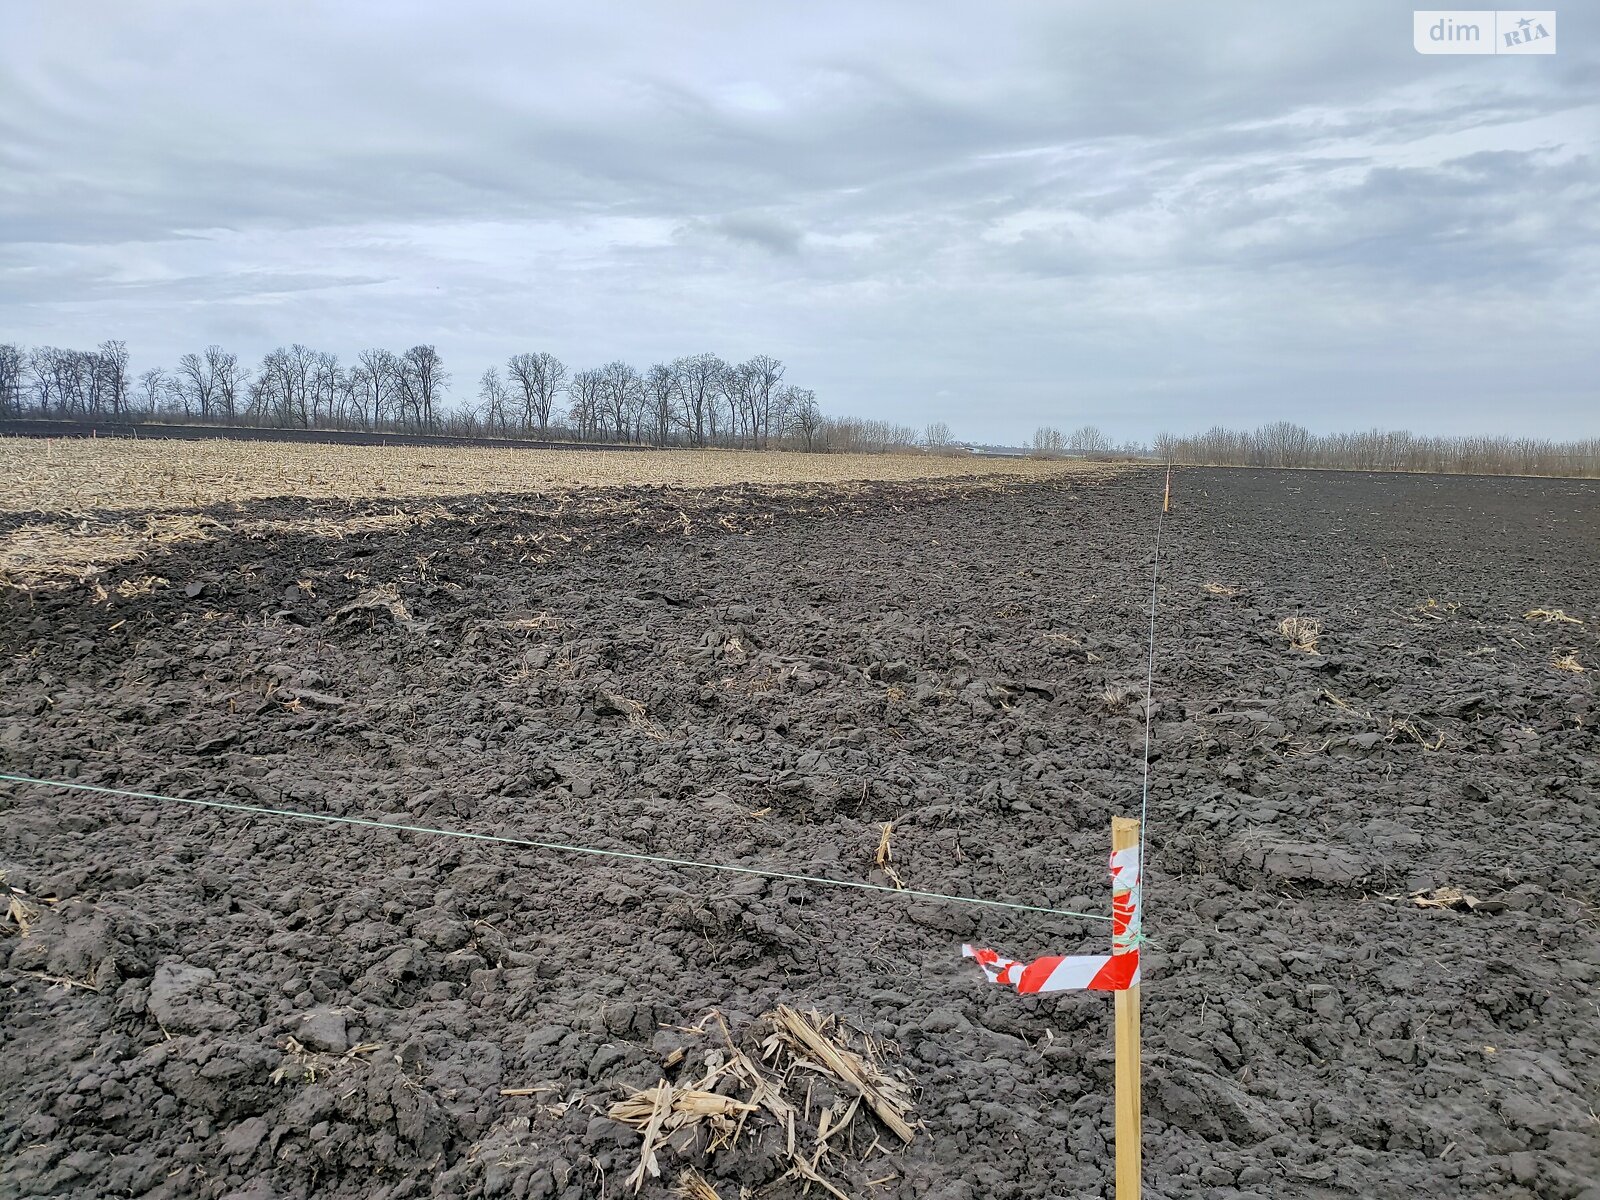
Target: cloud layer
1146, 217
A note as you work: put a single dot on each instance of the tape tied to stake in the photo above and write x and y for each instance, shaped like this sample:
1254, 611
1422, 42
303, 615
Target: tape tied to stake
1060, 972
1126, 927
1114, 972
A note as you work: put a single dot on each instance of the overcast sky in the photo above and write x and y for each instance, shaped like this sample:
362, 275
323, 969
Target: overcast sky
1151, 216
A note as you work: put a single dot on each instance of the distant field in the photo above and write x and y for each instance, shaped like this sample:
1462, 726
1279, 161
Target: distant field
79, 476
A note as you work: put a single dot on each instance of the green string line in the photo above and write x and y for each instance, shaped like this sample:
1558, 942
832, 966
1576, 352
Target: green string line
558, 847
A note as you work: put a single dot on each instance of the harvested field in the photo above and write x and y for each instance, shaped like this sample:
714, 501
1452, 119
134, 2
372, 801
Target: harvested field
80, 475
1373, 949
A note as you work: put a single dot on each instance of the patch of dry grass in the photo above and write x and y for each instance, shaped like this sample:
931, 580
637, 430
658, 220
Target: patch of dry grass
1118, 697
1302, 633
82, 551
1436, 610
85, 475
1550, 616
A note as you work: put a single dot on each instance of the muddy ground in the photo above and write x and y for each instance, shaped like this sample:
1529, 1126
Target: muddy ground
765, 678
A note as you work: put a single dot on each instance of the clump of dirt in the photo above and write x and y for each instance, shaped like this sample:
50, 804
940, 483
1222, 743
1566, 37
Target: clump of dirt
1371, 883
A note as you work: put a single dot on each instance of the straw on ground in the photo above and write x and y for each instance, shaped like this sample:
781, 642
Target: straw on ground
1302, 633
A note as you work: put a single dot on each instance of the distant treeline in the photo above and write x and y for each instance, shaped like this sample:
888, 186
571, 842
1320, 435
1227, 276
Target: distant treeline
698, 400
1285, 444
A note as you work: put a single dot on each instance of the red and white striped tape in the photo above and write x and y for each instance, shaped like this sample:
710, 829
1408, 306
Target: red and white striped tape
1114, 972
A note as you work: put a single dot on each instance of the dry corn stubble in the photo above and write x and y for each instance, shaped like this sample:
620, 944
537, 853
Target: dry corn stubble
82, 551
86, 475
304, 1065
1550, 616
883, 857
797, 1046
1404, 728
809, 1039
84, 495
692, 1185
1302, 633
1118, 697
20, 911
1453, 899
1436, 610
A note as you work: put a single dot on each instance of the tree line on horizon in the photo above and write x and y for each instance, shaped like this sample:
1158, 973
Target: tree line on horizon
1286, 444
695, 400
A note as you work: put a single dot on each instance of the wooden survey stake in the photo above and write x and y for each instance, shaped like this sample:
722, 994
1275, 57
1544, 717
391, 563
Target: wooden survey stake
1130, 1157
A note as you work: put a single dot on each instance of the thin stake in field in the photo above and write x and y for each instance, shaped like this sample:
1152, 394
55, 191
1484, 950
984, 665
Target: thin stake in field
1118, 972
1127, 833
1129, 1145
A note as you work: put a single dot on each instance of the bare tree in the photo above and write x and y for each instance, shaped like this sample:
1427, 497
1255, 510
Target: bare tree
523, 372
154, 388
1283, 444
41, 377
739, 396
114, 374
284, 386
585, 392
492, 397
660, 386
858, 436
422, 383
621, 398
11, 368
536, 380
1047, 441
722, 410
805, 418
261, 397
74, 382
302, 371
228, 381
937, 435
551, 381
700, 382
194, 385
1088, 439
327, 382
373, 386
269, 401
761, 376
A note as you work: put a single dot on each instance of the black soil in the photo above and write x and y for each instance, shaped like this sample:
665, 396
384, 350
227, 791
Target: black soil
764, 678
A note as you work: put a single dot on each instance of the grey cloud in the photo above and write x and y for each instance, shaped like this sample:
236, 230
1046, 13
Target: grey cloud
768, 233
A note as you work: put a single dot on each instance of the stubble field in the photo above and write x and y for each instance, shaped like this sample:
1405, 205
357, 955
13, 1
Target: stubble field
126, 474
217, 1003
